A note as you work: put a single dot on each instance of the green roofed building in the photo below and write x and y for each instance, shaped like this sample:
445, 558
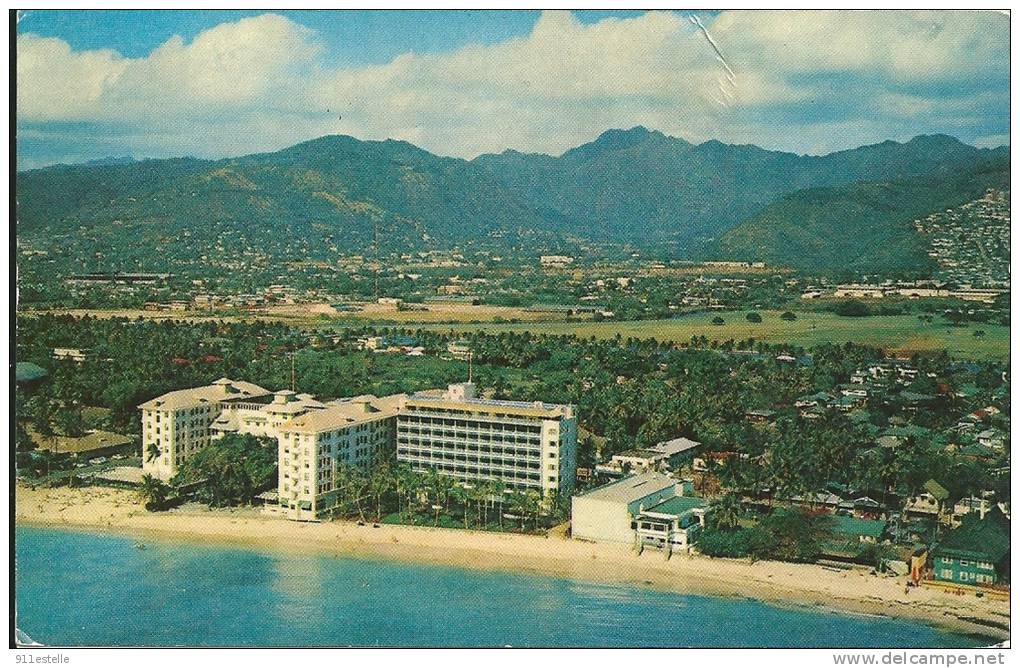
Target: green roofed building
673, 524
977, 552
850, 535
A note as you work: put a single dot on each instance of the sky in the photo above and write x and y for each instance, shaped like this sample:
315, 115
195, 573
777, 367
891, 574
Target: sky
212, 84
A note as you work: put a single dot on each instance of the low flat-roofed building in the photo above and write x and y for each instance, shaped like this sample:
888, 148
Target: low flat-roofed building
661, 456
604, 514
96, 443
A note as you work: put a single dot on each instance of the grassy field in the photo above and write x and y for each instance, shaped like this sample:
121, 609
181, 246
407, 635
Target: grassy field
895, 333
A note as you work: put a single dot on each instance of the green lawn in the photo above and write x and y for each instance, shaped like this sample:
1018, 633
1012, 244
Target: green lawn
896, 333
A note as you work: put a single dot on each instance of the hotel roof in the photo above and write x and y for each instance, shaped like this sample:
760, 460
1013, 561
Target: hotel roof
438, 399
345, 412
678, 505
675, 446
220, 390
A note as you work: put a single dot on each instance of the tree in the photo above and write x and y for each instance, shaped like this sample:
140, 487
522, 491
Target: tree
788, 316
153, 492
791, 535
852, 308
725, 512
754, 317
718, 321
231, 470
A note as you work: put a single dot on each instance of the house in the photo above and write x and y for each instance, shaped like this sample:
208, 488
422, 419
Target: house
991, 438
672, 525
863, 507
665, 455
459, 350
822, 499
971, 504
759, 415
78, 355
929, 502
28, 375
976, 552
851, 535
813, 400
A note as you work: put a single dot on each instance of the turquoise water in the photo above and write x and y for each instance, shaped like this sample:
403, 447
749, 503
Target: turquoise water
78, 588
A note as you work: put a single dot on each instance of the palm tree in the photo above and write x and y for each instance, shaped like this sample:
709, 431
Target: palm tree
532, 505
378, 485
499, 491
153, 491
727, 510
460, 495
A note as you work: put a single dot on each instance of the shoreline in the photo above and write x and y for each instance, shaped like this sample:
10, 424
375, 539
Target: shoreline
804, 586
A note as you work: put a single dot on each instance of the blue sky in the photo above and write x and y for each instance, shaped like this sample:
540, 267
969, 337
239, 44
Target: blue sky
352, 37
221, 83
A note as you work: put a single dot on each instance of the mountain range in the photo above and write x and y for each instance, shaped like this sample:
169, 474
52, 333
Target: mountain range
637, 187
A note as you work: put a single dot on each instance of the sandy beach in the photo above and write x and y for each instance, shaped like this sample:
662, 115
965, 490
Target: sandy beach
775, 582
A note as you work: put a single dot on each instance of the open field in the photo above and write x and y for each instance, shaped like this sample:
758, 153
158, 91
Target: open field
896, 333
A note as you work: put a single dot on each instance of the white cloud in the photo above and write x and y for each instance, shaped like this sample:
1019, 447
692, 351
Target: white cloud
794, 80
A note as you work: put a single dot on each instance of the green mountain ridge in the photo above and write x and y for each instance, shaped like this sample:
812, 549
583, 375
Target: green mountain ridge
636, 186
861, 226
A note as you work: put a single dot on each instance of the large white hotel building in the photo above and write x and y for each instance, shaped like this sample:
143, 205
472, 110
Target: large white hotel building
525, 445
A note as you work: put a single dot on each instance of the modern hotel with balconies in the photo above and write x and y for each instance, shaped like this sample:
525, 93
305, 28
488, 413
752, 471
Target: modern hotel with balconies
525, 445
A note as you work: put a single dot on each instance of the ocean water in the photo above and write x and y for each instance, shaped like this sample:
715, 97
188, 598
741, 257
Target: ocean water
78, 588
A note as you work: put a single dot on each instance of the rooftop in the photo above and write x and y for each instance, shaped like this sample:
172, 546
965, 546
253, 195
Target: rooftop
632, 488
854, 526
978, 538
678, 505
220, 390
675, 446
345, 412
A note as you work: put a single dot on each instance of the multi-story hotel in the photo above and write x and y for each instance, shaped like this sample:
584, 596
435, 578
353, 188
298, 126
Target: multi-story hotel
315, 447
526, 445
178, 424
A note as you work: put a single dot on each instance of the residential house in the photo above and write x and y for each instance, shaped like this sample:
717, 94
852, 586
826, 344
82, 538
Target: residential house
976, 552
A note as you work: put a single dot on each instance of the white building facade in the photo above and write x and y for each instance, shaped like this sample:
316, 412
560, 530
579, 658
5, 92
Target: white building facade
178, 424
524, 445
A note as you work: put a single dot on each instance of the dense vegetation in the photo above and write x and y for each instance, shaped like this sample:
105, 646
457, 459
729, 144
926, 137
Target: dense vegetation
861, 226
230, 471
628, 392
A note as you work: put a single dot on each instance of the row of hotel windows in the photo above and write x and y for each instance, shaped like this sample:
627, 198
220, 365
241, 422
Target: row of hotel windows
459, 413
498, 458
406, 420
461, 471
493, 438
